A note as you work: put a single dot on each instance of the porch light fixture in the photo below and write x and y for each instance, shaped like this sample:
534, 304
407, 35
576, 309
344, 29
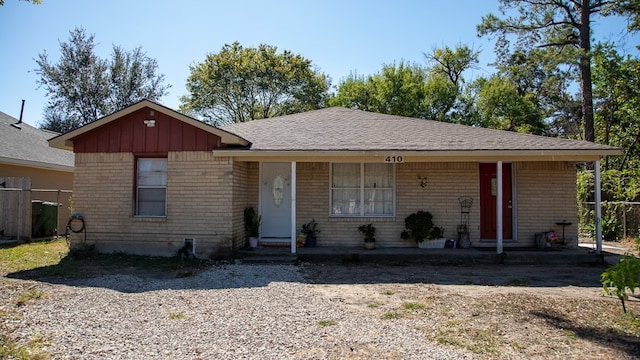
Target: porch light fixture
150, 123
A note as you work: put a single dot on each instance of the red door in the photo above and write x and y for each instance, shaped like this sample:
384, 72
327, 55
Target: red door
488, 195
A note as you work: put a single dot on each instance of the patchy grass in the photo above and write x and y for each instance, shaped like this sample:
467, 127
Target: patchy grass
31, 294
375, 304
327, 322
176, 316
32, 350
53, 259
511, 325
413, 306
392, 315
388, 292
14, 258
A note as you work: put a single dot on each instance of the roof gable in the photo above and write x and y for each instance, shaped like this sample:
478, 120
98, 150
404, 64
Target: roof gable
104, 128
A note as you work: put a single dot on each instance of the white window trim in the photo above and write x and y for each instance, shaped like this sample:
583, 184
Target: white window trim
362, 188
137, 205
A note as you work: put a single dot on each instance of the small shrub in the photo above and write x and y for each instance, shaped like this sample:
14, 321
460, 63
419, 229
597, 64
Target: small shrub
620, 277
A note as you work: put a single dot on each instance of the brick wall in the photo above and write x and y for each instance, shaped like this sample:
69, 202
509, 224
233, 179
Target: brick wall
198, 204
245, 194
546, 194
446, 182
206, 197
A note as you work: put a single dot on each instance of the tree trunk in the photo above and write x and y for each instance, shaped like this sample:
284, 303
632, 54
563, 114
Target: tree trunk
585, 71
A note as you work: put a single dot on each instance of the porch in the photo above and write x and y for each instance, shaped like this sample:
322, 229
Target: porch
582, 255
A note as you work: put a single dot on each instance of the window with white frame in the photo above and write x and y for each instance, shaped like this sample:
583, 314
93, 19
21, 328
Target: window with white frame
362, 189
151, 191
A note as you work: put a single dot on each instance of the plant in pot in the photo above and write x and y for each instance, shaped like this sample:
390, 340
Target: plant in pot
252, 226
369, 232
310, 229
419, 226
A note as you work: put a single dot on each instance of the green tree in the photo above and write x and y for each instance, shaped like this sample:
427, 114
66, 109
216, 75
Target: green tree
35, 2
502, 107
561, 26
446, 84
82, 87
240, 84
399, 90
132, 76
626, 8
621, 278
616, 81
453, 62
441, 96
411, 90
354, 92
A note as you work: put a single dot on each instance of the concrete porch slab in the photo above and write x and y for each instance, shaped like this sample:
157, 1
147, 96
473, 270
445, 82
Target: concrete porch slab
430, 256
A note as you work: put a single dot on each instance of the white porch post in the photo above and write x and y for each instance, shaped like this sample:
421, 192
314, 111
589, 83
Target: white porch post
598, 208
499, 207
293, 207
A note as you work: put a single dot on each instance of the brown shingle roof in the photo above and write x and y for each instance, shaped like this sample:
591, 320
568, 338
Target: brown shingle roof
27, 145
340, 129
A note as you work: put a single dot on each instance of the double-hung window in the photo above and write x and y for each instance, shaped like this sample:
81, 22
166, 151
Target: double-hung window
151, 191
362, 189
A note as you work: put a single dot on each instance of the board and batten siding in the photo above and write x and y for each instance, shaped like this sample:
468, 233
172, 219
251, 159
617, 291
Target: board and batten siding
131, 134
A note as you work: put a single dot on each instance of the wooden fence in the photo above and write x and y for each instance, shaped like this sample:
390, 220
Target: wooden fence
16, 218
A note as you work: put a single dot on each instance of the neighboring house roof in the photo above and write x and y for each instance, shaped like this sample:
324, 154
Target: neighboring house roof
65, 141
339, 130
25, 145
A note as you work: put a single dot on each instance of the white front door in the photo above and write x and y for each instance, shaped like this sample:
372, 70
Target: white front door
275, 200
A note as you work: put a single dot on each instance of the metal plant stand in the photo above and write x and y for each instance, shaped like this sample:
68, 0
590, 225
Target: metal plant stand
464, 238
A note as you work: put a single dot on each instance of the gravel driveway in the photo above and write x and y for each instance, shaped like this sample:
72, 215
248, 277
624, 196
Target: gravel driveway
226, 312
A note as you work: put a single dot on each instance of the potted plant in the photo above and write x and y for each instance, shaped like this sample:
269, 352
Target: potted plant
419, 226
252, 226
310, 229
369, 232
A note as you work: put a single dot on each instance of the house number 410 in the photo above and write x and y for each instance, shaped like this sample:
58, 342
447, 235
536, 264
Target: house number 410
394, 159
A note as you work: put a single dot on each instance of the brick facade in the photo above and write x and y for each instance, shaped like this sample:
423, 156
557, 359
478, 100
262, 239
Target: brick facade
545, 193
206, 197
198, 202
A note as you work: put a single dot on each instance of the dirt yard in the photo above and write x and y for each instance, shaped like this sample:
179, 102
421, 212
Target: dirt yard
479, 312
503, 312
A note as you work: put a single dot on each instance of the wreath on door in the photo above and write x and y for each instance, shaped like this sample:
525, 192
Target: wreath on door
278, 190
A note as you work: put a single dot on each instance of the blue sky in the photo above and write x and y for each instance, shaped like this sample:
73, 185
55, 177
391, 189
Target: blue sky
339, 37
